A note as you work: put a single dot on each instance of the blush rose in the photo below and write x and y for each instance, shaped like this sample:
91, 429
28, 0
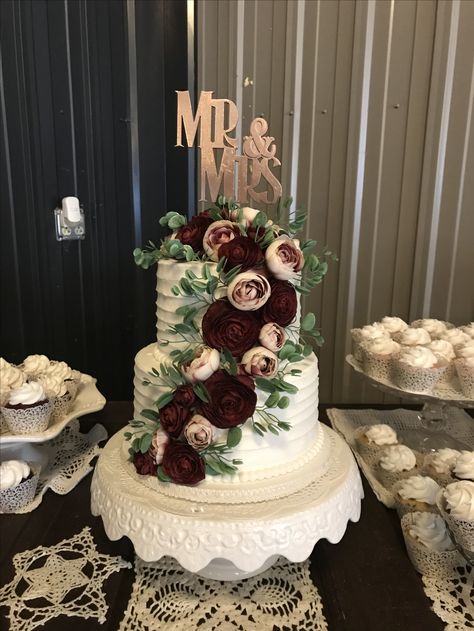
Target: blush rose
198, 432
284, 258
218, 233
248, 291
158, 445
260, 362
205, 362
272, 336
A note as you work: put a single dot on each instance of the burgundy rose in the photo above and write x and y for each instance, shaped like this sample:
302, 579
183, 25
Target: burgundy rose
241, 251
173, 417
182, 463
223, 326
184, 395
231, 402
145, 464
282, 304
193, 232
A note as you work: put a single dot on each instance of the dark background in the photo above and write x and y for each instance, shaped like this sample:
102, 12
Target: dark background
88, 108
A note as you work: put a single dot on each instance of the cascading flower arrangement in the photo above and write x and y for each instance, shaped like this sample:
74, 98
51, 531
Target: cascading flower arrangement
246, 294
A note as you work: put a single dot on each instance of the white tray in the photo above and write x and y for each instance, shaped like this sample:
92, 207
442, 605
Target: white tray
88, 400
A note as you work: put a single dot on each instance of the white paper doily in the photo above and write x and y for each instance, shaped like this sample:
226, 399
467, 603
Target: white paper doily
459, 425
453, 598
165, 597
63, 461
65, 579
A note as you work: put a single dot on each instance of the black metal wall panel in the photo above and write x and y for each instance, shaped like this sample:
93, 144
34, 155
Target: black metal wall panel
67, 80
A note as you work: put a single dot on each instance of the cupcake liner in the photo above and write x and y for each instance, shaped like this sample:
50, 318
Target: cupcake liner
15, 498
61, 406
377, 366
28, 420
466, 378
447, 378
356, 350
461, 530
426, 561
72, 386
417, 379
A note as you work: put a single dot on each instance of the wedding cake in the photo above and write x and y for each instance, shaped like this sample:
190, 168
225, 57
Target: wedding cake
226, 399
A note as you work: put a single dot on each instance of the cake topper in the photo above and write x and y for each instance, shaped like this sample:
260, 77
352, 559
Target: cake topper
239, 175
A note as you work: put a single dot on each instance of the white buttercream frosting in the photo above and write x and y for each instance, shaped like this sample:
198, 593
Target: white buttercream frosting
459, 498
60, 370
442, 348
430, 530
468, 329
418, 356
465, 350
393, 324
12, 472
397, 458
464, 467
35, 364
419, 487
53, 386
456, 337
434, 327
381, 346
4, 395
10, 375
369, 332
414, 337
443, 460
381, 434
27, 394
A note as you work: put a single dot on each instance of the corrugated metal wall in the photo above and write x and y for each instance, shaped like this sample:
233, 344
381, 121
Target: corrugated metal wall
371, 106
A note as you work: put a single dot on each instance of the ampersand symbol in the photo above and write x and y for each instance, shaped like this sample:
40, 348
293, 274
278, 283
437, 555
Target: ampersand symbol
257, 144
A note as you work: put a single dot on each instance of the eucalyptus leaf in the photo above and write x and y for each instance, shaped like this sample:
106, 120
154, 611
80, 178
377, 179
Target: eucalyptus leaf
234, 436
145, 442
308, 322
151, 415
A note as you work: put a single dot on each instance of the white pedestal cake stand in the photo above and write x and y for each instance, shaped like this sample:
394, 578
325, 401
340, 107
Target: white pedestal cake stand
226, 541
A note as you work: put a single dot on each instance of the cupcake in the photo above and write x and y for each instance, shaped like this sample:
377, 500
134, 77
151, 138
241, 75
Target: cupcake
377, 357
464, 466
456, 337
417, 369
396, 462
393, 325
444, 351
18, 484
370, 440
413, 337
439, 465
366, 333
57, 390
429, 544
10, 376
465, 370
28, 409
35, 365
435, 328
468, 329
416, 493
456, 504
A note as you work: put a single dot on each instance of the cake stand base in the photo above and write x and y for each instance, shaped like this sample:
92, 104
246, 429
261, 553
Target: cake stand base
226, 541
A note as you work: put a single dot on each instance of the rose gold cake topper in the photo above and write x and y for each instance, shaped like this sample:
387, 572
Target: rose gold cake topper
239, 175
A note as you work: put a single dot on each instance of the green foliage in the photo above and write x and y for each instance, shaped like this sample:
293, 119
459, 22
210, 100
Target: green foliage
173, 220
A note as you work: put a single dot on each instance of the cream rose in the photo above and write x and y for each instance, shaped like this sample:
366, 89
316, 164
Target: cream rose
272, 336
219, 232
198, 432
284, 258
158, 445
260, 362
206, 361
248, 291
248, 215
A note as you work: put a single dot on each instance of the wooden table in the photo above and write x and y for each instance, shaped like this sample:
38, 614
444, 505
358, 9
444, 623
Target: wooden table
366, 581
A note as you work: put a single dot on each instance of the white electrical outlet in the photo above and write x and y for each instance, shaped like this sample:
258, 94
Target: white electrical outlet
69, 220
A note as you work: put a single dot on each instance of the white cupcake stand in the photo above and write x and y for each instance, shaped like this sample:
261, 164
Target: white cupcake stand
226, 541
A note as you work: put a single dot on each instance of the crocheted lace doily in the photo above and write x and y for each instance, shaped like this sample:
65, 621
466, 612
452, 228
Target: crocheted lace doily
453, 598
64, 460
65, 579
459, 425
166, 597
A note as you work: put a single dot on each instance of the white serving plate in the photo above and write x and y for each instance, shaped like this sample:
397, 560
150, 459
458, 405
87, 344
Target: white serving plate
88, 400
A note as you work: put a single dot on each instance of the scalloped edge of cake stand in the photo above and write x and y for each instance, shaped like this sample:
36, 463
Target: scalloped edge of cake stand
227, 541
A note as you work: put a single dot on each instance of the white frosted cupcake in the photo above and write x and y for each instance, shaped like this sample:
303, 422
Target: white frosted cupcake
464, 466
393, 324
34, 365
57, 390
28, 409
416, 493
365, 334
395, 463
463, 351
417, 369
413, 337
465, 370
434, 327
18, 484
444, 351
10, 376
456, 337
468, 329
456, 504
377, 357
370, 440
439, 465
429, 544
